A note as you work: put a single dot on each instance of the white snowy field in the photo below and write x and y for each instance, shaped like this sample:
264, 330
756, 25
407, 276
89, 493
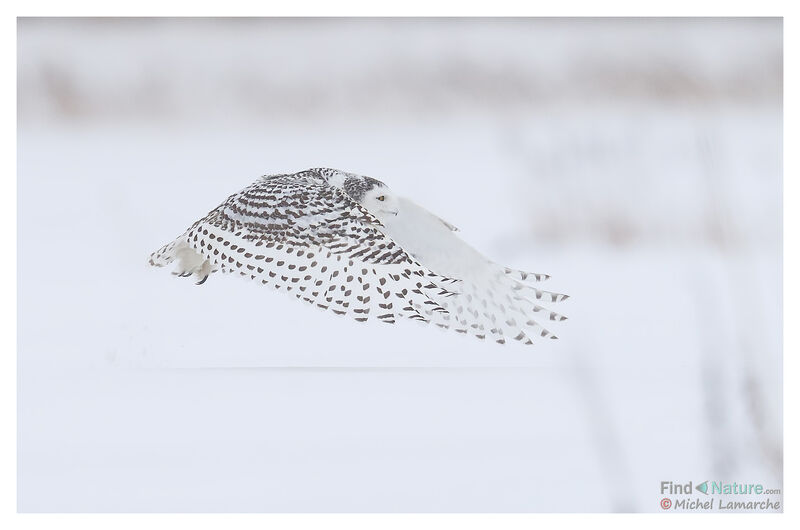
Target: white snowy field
657, 209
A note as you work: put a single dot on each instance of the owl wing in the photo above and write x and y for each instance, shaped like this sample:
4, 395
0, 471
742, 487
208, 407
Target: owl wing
493, 302
303, 236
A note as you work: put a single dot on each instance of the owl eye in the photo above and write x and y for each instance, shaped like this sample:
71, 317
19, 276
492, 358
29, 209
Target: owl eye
382, 198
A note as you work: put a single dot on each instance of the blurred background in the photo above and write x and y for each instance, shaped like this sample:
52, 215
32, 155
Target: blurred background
637, 161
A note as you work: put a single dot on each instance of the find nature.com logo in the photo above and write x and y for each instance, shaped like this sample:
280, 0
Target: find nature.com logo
753, 496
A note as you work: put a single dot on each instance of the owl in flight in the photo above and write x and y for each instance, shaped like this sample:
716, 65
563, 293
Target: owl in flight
346, 243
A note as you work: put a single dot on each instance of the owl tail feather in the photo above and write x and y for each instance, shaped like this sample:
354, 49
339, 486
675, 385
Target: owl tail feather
163, 256
190, 263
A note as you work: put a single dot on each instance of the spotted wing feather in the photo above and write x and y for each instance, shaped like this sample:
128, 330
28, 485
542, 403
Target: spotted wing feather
300, 235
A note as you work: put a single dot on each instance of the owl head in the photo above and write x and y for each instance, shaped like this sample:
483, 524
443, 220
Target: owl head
372, 194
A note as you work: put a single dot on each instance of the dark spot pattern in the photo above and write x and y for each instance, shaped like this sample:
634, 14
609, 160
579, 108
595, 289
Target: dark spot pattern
303, 235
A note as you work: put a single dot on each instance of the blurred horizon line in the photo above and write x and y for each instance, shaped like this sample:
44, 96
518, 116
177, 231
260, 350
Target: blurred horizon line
299, 68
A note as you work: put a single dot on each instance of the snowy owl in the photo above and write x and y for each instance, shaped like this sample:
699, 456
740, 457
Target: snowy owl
346, 243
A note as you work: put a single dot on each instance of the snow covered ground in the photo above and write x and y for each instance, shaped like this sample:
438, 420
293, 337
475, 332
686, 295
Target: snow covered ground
639, 163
